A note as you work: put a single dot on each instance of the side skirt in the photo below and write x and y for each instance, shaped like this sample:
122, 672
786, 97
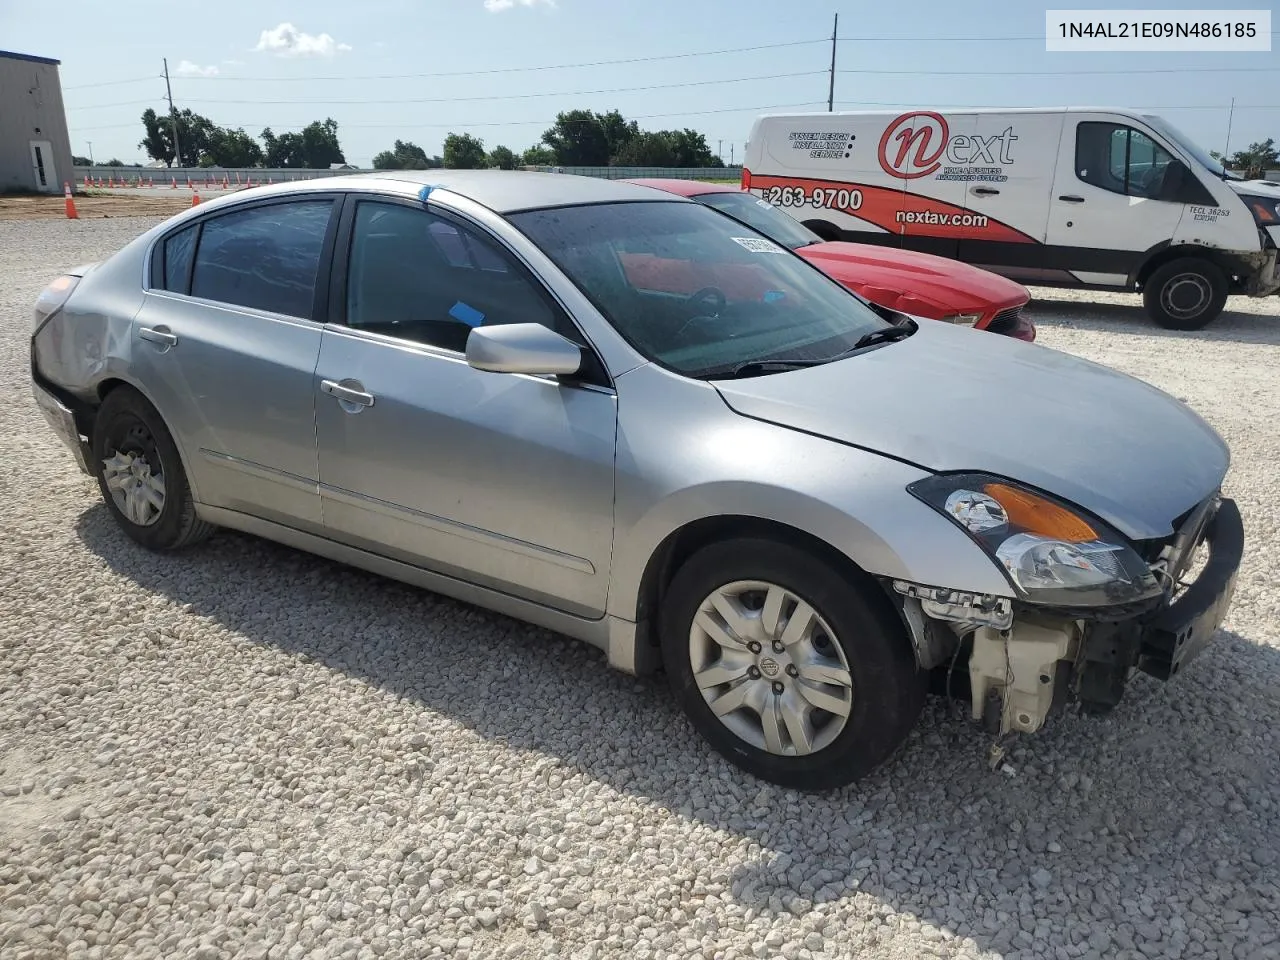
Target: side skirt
615, 636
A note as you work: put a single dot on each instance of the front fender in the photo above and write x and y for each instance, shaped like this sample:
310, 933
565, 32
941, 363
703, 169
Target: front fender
852, 499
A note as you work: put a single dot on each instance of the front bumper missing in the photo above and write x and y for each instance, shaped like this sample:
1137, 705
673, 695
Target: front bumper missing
63, 423
1019, 673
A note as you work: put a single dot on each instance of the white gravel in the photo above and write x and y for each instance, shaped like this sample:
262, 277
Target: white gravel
244, 751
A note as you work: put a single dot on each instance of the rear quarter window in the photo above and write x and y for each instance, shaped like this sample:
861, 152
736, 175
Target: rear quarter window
175, 260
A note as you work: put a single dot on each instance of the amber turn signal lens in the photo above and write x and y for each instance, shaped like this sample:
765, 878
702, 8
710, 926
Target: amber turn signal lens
1037, 515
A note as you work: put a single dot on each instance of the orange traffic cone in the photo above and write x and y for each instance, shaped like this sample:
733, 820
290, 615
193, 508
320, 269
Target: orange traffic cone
87, 184
226, 185
69, 202
173, 183
195, 196
151, 183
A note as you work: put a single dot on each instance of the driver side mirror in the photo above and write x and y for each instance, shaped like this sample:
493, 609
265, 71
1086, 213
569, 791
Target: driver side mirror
527, 348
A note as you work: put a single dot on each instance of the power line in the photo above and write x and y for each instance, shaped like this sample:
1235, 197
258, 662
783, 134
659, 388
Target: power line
463, 124
113, 83
1060, 73
505, 96
479, 73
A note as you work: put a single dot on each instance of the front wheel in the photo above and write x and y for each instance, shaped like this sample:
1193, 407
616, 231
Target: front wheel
790, 670
1185, 294
140, 474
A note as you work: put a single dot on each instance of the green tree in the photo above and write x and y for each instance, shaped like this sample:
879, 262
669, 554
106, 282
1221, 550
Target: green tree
315, 147
538, 156
689, 149
77, 161
618, 132
193, 136
462, 151
647, 150
502, 158
231, 148
405, 155
1255, 161
578, 139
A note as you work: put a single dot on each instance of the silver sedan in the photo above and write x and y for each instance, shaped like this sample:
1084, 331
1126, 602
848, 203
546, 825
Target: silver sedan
803, 508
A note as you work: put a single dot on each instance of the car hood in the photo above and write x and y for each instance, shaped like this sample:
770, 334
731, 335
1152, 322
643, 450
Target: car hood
906, 280
1256, 188
950, 398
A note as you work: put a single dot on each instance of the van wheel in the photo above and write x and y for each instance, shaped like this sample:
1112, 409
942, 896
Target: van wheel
827, 231
792, 671
141, 476
1185, 294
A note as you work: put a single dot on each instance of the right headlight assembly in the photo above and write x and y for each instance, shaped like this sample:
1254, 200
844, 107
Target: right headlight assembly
1051, 554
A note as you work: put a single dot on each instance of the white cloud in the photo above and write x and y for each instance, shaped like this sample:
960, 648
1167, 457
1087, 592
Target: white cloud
498, 6
188, 69
286, 40
233, 63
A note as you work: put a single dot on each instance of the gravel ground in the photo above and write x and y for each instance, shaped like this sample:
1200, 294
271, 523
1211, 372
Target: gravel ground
245, 751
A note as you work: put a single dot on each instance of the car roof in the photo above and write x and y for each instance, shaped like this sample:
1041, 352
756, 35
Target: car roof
502, 191
685, 188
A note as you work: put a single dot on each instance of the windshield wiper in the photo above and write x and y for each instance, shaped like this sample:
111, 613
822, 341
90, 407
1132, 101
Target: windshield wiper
753, 368
883, 335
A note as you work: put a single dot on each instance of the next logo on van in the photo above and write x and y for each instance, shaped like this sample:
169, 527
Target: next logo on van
914, 145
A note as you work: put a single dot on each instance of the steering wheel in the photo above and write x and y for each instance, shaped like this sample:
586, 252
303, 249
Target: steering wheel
713, 296
1149, 179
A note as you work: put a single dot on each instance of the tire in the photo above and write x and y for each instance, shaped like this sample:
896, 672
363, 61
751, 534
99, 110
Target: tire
129, 440
1185, 294
854, 629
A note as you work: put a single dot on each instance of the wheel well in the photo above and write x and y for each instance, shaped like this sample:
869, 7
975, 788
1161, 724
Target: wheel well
1158, 260
683, 543
824, 229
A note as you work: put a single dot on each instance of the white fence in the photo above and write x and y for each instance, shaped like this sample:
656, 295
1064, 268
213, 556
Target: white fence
204, 176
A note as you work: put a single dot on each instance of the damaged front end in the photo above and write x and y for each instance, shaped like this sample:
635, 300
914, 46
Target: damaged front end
1025, 657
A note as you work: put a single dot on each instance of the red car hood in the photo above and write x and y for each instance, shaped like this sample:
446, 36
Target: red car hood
936, 286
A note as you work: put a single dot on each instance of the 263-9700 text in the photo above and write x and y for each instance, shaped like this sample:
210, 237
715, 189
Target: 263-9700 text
819, 197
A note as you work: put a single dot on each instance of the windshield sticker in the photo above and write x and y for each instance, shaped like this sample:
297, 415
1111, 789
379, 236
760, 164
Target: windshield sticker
773, 296
465, 313
757, 245
1208, 214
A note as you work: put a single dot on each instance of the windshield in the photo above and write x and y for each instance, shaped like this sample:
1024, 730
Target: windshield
695, 291
1201, 155
762, 215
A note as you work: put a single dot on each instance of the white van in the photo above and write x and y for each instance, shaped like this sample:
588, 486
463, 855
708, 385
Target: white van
1102, 198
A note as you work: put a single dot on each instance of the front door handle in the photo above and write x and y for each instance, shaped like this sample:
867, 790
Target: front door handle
346, 393
1071, 198
160, 335
983, 191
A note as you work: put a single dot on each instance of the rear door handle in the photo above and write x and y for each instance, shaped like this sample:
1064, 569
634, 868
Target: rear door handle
160, 335
1071, 198
983, 191
346, 394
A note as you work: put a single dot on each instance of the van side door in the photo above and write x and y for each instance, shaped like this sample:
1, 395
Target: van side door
1105, 211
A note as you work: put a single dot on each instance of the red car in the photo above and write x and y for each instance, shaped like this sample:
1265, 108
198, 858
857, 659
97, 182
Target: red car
916, 283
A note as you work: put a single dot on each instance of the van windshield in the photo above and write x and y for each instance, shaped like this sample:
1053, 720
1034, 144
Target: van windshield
1202, 156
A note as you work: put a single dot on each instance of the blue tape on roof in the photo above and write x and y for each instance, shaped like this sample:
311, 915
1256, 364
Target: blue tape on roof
425, 192
773, 296
467, 314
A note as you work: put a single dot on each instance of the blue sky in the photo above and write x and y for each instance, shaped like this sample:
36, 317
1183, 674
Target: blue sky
232, 58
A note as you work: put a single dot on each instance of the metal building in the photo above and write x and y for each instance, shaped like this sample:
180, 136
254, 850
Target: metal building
35, 150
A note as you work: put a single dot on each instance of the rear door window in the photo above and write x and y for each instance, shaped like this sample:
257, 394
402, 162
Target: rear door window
266, 258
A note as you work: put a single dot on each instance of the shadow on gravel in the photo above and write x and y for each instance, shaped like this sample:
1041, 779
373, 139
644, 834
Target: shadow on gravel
1230, 326
1167, 801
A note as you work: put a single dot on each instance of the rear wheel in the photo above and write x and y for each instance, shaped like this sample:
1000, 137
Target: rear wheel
791, 670
140, 474
1185, 294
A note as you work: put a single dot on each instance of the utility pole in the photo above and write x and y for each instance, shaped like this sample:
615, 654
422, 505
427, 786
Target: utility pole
720, 150
731, 146
91, 153
173, 117
831, 86
1227, 146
